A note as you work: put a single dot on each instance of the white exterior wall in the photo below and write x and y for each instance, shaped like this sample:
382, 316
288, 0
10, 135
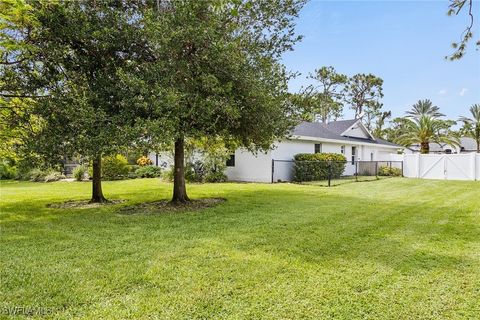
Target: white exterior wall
477, 166
250, 167
284, 152
165, 159
258, 168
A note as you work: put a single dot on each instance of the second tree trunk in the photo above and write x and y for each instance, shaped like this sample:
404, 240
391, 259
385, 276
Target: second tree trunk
179, 188
97, 193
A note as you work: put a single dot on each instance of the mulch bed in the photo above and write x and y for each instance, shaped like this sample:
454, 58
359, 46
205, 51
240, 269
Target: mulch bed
164, 206
82, 204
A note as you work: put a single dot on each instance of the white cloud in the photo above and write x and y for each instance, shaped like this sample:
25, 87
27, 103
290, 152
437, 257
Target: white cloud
442, 92
463, 91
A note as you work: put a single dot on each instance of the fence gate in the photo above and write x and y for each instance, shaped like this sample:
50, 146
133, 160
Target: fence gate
441, 166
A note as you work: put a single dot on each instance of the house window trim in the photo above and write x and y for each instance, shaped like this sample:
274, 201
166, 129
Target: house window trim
354, 155
319, 148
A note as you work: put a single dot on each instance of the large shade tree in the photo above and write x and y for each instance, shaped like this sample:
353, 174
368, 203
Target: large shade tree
69, 58
216, 73
471, 125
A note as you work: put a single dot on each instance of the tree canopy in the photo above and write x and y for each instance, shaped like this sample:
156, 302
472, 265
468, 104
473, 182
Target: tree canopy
363, 92
324, 99
68, 58
216, 73
471, 125
107, 74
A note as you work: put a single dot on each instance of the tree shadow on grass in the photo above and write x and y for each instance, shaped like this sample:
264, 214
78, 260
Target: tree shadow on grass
313, 225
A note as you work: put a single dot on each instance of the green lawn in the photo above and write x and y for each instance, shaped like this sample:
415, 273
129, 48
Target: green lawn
388, 249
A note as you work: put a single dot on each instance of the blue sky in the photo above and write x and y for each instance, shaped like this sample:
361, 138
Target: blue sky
403, 42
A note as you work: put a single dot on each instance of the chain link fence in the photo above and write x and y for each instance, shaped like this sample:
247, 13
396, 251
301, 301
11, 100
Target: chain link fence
331, 173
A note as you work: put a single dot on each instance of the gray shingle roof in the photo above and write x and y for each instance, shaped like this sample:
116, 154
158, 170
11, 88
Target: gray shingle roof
333, 130
340, 126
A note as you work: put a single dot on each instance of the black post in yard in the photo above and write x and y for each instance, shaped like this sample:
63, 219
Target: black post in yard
273, 168
376, 169
329, 173
402, 168
356, 171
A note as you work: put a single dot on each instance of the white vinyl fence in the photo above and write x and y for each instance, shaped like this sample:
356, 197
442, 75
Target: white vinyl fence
442, 166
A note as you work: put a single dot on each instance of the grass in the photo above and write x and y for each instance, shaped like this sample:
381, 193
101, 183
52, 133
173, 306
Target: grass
388, 249
345, 179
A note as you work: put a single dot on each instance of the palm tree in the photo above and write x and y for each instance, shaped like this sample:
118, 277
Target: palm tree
426, 129
471, 126
424, 108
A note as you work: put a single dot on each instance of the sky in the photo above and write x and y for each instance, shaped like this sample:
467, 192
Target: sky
402, 42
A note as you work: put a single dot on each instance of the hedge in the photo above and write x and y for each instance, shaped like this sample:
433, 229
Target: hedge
389, 172
318, 166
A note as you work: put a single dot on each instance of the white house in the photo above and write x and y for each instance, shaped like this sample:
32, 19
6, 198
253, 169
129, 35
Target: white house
348, 137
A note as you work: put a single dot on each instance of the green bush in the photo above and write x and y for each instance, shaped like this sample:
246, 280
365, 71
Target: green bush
148, 172
207, 171
37, 175
389, 172
53, 176
217, 176
195, 172
114, 167
7, 171
318, 166
79, 173
133, 167
25, 167
167, 174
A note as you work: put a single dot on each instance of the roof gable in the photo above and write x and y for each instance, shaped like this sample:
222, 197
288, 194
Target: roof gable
337, 130
358, 130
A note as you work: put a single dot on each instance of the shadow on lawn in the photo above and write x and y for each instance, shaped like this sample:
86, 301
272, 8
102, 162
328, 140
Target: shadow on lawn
313, 225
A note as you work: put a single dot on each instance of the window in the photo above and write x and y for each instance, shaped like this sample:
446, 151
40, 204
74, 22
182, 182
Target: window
354, 150
318, 147
371, 156
231, 161
342, 150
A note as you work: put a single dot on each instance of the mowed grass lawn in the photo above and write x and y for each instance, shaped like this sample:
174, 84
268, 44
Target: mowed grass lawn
389, 249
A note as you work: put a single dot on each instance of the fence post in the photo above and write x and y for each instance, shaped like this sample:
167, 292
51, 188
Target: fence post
356, 171
273, 168
376, 169
402, 166
329, 172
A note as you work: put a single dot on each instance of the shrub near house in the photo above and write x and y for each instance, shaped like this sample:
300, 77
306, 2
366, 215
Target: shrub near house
114, 167
318, 166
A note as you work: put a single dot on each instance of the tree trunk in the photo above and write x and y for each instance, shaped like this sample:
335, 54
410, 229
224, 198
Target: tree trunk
424, 148
478, 146
179, 190
97, 193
